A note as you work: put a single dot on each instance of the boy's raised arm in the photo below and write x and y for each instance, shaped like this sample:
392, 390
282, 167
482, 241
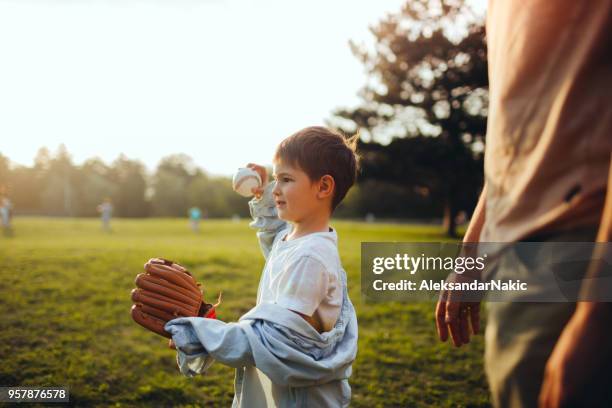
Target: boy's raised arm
264, 213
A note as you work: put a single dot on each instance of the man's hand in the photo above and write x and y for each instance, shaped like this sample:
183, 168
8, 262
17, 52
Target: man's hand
263, 174
455, 315
577, 354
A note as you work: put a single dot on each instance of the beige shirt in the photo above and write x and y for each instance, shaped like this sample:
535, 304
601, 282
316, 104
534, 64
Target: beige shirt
549, 135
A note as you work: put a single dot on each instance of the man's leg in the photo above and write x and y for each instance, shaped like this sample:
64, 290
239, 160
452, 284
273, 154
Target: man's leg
520, 336
519, 339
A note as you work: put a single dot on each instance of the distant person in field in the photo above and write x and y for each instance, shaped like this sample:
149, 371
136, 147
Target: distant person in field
296, 347
194, 218
6, 214
106, 212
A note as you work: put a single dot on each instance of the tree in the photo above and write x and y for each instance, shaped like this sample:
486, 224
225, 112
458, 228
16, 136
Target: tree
4, 171
55, 186
94, 185
130, 188
58, 185
170, 185
428, 81
26, 184
215, 196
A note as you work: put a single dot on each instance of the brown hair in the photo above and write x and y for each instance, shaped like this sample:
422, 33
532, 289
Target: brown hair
319, 151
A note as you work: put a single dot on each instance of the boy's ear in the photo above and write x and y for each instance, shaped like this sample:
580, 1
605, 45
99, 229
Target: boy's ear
326, 186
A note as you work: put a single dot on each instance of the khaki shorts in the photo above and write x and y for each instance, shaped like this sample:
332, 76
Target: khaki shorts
520, 337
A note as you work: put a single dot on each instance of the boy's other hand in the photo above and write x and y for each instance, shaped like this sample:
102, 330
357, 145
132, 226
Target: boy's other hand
263, 174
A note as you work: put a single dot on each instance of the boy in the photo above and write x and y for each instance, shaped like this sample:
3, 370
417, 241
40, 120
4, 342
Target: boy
296, 347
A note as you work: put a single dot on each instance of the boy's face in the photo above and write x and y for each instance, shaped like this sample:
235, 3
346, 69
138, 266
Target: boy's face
295, 195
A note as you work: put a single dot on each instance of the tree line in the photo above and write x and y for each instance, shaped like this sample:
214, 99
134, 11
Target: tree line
422, 119
55, 186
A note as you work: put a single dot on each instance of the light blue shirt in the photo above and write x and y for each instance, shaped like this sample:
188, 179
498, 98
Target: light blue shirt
306, 368
195, 213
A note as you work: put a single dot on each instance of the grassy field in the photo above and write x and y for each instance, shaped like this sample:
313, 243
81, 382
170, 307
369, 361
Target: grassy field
64, 297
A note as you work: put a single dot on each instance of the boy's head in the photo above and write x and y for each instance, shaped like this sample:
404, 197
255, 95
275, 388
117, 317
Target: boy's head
314, 168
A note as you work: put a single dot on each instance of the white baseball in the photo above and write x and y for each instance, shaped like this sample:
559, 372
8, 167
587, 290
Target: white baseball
245, 180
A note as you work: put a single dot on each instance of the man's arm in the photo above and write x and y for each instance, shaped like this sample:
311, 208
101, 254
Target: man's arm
456, 316
581, 346
472, 234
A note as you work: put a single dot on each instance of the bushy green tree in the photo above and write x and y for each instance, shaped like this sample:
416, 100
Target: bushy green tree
93, 185
427, 81
58, 185
170, 186
129, 188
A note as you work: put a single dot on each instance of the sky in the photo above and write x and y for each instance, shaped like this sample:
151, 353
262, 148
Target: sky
223, 81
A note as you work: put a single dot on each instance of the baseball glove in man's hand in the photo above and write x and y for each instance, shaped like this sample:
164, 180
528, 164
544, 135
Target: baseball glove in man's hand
164, 292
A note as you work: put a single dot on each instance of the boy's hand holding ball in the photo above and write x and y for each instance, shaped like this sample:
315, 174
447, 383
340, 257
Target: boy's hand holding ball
250, 180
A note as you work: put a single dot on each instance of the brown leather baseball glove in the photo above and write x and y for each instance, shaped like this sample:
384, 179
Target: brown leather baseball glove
164, 292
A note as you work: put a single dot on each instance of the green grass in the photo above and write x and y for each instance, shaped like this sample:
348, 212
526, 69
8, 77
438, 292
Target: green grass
64, 297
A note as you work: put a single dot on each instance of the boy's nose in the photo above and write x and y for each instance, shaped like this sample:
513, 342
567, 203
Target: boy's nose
276, 191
